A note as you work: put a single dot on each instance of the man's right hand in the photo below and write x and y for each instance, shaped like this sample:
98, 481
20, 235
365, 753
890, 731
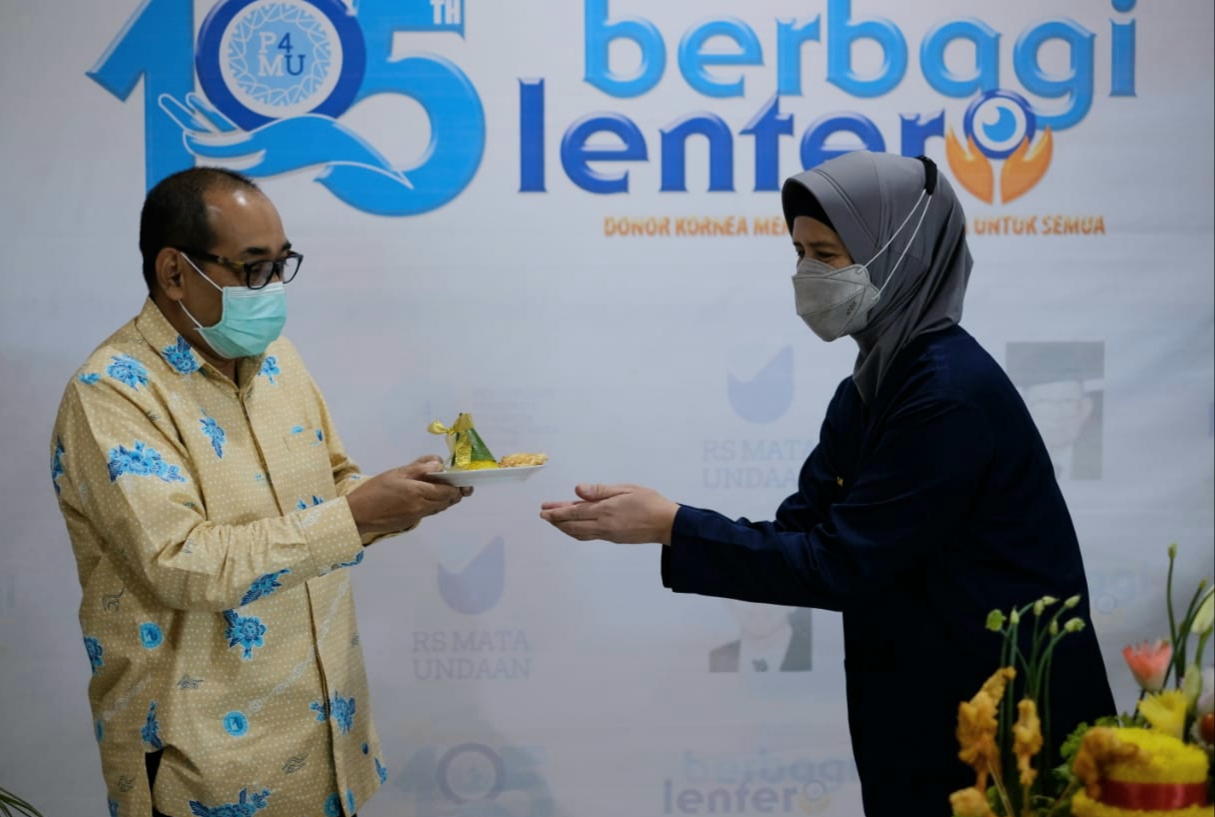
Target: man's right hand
399, 499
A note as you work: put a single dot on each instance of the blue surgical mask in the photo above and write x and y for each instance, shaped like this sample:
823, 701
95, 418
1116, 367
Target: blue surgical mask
251, 320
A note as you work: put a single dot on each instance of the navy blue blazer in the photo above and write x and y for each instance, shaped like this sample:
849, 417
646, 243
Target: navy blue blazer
914, 517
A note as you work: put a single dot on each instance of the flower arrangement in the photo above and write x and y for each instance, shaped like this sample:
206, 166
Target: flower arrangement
1156, 760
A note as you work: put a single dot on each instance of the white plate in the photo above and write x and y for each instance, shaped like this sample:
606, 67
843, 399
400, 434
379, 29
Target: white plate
468, 479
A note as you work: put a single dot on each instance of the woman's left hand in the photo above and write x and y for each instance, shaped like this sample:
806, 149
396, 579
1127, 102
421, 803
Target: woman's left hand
624, 514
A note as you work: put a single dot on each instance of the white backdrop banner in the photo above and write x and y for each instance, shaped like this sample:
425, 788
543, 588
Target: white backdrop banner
564, 218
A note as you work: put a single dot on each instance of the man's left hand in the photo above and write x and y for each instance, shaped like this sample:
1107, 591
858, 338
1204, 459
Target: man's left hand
624, 514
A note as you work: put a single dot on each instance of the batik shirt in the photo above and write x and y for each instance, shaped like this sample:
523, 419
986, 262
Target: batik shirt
212, 542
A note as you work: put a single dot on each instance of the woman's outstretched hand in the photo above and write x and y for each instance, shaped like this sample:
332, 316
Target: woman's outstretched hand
624, 514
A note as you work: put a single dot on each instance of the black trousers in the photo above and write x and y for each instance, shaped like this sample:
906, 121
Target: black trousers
152, 761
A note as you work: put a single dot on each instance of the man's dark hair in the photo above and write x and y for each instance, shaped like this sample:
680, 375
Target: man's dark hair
175, 214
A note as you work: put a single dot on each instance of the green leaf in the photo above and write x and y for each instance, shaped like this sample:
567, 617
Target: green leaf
1072, 745
480, 451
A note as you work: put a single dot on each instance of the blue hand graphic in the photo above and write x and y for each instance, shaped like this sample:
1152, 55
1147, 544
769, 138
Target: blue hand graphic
353, 170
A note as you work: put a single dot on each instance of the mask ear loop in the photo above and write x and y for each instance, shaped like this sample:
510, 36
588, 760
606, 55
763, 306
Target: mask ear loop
205, 278
895, 235
918, 224
906, 249
930, 188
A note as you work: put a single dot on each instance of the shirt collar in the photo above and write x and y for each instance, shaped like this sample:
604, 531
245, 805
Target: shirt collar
177, 351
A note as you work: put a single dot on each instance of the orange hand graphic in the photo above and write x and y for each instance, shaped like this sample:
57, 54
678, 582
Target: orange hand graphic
970, 167
1025, 167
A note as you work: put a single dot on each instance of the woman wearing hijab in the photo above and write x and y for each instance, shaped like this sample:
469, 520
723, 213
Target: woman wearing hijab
929, 500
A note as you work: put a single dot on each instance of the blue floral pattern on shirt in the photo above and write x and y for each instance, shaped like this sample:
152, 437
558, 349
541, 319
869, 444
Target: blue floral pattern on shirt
269, 369
236, 724
263, 587
113, 804
245, 632
246, 806
213, 430
151, 729
350, 803
355, 561
142, 460
57, 465
303, 505
150, 635
333, 805
181, 357
93, 647
381, 770
90, 378
340, 709
128, 370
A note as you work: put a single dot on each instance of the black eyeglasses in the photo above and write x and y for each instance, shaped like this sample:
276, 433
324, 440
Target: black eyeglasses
257, 273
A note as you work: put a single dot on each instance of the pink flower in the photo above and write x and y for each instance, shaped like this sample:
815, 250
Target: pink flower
1149, 663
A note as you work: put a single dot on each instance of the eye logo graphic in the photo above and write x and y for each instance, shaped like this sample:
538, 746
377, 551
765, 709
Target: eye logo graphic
768, 395
999, 126
478, 587
277, 76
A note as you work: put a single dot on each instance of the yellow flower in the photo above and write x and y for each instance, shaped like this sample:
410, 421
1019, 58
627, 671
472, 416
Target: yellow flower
970, 803
1133, 755
994, 686
977, 726
1165, 711
1027, 734
1099, 749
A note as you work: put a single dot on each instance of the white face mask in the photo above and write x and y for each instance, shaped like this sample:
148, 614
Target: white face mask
836, 301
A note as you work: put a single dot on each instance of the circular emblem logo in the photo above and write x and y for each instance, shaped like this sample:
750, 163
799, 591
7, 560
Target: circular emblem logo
261, 60
471, 772
999, 121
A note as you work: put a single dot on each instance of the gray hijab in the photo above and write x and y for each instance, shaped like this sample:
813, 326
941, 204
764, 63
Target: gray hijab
866, 196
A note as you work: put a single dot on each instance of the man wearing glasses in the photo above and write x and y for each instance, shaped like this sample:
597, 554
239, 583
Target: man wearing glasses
1061, 383
214, 513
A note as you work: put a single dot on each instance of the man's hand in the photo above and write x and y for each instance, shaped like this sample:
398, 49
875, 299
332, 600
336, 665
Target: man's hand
624, 514
399, 499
